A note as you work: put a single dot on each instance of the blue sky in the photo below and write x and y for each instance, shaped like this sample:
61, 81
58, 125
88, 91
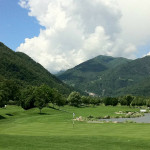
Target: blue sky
15, 24
61, 34
143, 50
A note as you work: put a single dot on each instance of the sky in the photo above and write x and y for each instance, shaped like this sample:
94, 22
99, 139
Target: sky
60, 34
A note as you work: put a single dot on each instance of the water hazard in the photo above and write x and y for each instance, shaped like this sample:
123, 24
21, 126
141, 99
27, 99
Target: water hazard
143, 119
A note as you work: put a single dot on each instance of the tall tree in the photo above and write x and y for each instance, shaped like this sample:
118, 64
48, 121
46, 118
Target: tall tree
75, 99
27, 98
129, 99
2, 101
10, 89
43, 96
85, 100
60, 100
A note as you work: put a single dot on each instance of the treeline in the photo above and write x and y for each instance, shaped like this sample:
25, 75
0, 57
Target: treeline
28, 97
12, 93
75, 99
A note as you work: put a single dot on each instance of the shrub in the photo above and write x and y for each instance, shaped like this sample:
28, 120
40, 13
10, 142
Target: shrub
90, 117
11, 102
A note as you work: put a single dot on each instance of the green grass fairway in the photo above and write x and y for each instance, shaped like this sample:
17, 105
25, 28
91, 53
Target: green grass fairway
29, 130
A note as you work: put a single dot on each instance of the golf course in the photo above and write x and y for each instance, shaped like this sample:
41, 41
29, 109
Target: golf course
53, 129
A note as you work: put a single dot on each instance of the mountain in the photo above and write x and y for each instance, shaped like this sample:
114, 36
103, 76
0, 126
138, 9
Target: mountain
86, 75
138, 73
59, 72
18, 66
109, 76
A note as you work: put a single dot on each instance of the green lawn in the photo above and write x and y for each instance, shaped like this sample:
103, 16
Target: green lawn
28, 130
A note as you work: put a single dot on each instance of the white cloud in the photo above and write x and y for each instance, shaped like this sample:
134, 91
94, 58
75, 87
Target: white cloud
24, 4
135, 21
148, 54
77, 30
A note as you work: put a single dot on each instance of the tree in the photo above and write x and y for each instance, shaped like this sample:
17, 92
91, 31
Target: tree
60, 100
10, 90
138, 101
85, 100
40, 103
114, 101
27, 98
129, 99
148, 102
107, 101
110, 101
75, 99
54, 96
123, 101
42, 96
94, 101
2, 101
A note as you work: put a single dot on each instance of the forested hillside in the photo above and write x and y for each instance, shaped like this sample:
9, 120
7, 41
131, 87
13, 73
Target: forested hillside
21, 68
108, 76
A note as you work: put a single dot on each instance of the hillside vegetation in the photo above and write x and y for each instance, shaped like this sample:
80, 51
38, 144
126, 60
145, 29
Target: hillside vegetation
108, 76
21, 68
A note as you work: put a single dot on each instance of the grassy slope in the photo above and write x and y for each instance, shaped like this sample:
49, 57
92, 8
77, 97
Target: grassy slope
27, 130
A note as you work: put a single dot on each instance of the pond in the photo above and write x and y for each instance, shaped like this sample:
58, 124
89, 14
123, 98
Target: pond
143, 119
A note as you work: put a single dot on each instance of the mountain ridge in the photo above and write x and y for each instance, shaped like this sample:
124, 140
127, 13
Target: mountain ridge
19, 66
112, 76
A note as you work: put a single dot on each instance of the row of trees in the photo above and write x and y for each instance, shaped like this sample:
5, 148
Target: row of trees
31, 96
40, 97
127, 100
75, 99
